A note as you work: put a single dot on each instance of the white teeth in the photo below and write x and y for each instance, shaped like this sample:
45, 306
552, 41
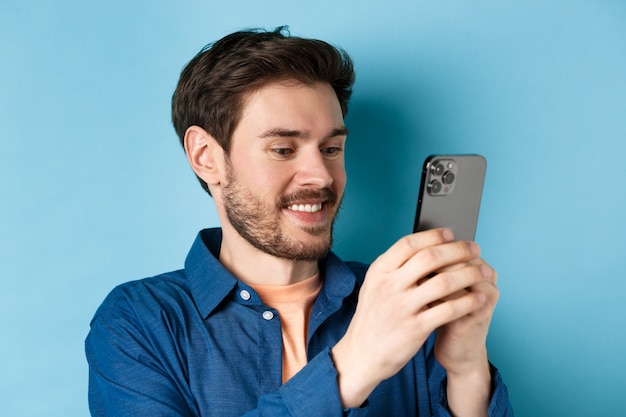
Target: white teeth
309, 208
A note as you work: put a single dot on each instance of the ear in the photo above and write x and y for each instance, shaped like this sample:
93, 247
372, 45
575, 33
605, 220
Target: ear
204, 154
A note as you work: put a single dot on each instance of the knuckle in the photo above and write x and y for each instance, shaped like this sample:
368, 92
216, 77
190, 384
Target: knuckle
450, 309
427, 256
443, 283
408, 242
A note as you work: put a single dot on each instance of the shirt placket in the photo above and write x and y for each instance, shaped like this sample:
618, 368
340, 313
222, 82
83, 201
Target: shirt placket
269, 342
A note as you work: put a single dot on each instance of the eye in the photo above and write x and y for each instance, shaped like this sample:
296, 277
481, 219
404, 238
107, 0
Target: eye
331, 151
283, 152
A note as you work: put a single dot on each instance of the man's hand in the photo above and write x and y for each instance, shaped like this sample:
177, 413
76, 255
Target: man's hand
460, 348
426, 281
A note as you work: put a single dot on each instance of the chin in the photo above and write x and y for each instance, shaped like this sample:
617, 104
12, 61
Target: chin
307, 248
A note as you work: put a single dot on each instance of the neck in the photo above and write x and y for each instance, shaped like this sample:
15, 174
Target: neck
254, 266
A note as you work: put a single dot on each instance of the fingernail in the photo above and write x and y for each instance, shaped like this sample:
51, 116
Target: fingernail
482, 297
448, 235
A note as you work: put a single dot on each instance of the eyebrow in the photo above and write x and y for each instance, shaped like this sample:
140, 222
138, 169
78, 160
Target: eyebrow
290, 133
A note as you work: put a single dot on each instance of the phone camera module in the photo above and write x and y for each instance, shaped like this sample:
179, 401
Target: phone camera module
442, 177
448, 178
434, 187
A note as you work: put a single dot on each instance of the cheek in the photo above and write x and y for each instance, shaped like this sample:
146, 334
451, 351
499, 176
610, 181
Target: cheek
268, 182
254, 174
339, 176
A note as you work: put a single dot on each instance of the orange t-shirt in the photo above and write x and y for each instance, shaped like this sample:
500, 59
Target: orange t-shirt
294, 304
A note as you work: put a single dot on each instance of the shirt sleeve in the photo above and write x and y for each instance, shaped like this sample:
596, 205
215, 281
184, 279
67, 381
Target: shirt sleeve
129, 376
125, 377
313, 391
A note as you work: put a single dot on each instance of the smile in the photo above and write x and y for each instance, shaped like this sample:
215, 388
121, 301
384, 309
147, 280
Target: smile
307, 208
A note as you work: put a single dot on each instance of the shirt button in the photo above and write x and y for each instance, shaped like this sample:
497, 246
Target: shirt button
268, 315
245, 295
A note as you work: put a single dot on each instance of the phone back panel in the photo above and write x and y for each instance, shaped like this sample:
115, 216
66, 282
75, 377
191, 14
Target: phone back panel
451, 201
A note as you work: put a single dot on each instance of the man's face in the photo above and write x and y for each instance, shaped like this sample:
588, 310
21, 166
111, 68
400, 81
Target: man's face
285, 172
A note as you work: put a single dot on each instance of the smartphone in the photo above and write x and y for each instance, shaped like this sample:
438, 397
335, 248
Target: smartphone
450, 192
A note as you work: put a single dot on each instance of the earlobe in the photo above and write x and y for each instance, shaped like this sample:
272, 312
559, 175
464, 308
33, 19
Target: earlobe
204, 154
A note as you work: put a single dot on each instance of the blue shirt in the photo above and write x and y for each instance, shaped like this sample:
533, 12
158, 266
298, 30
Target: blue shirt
199, 342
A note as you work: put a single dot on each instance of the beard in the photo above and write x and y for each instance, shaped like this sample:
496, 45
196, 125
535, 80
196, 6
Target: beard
258, 221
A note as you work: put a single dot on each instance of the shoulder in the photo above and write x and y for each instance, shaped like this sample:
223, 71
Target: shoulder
149, 317
146, 296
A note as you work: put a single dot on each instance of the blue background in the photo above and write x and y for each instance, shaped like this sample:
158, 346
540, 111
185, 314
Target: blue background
96, 190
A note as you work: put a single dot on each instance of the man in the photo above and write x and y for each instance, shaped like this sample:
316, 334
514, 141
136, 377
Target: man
264, 319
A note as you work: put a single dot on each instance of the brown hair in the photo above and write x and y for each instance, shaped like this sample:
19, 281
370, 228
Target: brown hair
213, 85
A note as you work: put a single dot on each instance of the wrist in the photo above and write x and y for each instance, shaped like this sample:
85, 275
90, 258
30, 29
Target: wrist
469, 392
354, 378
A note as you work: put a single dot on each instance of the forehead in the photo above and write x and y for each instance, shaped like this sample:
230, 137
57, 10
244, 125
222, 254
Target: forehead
292, 104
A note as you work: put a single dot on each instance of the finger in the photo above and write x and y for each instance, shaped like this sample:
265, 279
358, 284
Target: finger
436, 258
490, 289
451, 310
475, 261
484, 264
401, 251
483, 314
447, 286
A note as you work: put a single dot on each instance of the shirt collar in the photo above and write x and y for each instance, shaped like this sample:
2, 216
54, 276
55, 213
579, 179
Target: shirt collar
211, 283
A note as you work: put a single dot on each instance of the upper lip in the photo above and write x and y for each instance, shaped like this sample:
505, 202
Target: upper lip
311, 202
309, 196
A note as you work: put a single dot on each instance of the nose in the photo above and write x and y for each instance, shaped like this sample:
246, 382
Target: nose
314, 170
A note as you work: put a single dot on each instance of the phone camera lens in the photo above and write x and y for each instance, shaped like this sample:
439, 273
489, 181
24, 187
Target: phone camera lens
448, 178
438, 169
434, 187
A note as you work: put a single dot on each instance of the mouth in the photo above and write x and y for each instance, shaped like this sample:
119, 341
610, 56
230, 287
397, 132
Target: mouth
305, 208
309, 206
